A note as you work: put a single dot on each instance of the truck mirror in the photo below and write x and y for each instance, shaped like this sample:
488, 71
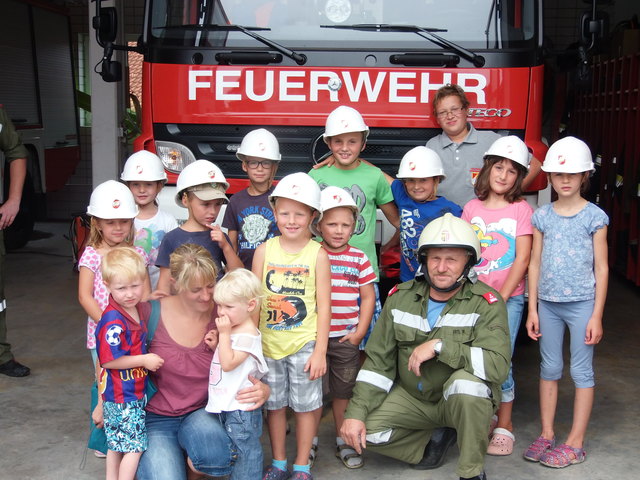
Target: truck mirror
105, 23
111, 71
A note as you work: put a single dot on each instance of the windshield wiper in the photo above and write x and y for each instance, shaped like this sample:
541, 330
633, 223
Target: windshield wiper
299, 58
425, 32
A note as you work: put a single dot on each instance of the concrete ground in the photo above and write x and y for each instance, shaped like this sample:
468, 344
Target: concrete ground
44, 418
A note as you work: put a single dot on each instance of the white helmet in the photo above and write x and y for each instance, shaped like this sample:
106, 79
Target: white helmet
111, 200
333, 197
143, 166
299, 187
568, 155
512, 148
344, 120
449, 232
260, 143
421, 162
200, 172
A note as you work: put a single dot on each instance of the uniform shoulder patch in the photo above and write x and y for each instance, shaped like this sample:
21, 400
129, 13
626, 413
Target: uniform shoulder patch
393, 290
490, 297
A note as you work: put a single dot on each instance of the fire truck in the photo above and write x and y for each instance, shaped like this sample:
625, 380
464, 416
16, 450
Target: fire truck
38, 93
216, 69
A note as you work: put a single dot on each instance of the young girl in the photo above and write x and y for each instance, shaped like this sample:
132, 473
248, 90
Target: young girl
112, 210
237, 344
144, 175
502, 220
567, 288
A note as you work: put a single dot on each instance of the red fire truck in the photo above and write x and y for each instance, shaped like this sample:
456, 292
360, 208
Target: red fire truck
217, 69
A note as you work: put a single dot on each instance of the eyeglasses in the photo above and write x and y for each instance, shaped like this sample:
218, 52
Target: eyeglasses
253, 164
456, 112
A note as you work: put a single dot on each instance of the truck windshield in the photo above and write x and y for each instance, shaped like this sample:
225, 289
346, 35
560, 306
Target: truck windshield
298, 24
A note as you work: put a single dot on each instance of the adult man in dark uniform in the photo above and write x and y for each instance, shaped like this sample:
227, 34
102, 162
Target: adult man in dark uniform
436, 358
16, 154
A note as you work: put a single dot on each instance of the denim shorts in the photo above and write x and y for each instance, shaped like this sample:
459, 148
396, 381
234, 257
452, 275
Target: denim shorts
124, 425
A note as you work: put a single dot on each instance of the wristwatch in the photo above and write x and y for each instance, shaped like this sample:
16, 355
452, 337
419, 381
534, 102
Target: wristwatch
437, 347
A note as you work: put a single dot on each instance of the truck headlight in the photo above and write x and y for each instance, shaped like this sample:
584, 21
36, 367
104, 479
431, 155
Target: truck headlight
174, 156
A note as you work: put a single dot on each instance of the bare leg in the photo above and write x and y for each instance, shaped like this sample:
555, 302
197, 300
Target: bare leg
504, 416
339, 406
277, 424
129, 465
548, 403
581, 412
113, 464
306, 429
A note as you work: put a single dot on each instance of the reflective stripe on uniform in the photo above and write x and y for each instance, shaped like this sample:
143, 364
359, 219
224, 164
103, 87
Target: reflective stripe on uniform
477, 362
410, 320
458, 320
375, 379
380, 437
3, 305
467, 387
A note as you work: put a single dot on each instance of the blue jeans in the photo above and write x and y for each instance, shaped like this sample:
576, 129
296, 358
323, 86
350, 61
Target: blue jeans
245, 429
515, 306
198, 435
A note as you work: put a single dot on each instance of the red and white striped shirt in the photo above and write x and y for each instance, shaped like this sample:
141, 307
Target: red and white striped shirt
350, 270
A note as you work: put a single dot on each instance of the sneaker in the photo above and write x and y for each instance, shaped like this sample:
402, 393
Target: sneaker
274, 473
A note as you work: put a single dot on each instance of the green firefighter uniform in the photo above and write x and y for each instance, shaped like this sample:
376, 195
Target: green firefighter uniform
12, 147
459, 388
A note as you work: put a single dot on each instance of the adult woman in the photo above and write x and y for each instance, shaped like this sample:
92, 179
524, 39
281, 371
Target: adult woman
177, 424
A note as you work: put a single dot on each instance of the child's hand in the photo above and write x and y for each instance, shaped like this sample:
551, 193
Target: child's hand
352, 338
533, 326
329, 161
594, 331
217, 235
224, 324
97, 416
211, 339
316, 365
158, 294
152, 362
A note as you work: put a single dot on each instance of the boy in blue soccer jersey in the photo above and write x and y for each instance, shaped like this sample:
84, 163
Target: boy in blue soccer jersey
122, 354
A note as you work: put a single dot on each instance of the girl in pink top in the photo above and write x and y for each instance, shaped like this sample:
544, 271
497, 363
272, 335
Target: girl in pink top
502, 220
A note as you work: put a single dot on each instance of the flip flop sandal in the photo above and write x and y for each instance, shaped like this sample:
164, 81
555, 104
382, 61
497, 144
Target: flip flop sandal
313, 453
501, 442
563, 456
538, 448
346, 453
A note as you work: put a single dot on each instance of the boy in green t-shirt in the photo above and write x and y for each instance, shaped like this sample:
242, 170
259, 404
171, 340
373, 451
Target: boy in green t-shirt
346, 136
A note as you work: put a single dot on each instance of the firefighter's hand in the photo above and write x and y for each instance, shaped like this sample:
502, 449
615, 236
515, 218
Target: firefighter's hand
421, 354
8, 212
354, 433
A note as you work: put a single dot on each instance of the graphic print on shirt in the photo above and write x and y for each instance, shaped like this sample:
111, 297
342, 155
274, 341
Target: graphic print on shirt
286, 310
215, 374
149, 240
411, 226
256, 222
498, 244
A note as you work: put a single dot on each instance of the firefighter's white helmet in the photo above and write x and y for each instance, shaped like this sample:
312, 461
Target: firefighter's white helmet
259, 143
344, 120
299, 187
449, 232
421, 162
201, 172
568, 155
333, 197
143, 166
111, 200
512, 148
